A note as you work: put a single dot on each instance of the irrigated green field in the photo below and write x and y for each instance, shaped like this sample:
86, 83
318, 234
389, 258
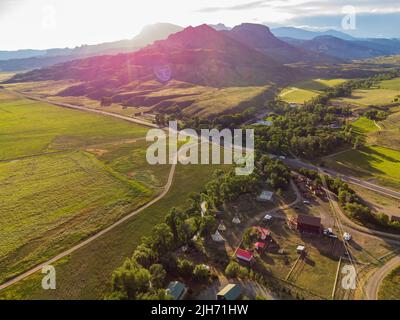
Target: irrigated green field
51, 202
96, 173
303, 91
386, 93
29, 127
364, 125
129, 160
370, 162
65, 175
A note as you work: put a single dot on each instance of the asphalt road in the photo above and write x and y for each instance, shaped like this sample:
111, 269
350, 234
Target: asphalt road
295, 163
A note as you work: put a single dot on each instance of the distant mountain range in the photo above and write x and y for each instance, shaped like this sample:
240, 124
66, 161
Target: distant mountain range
190, 66
348, 50
199, 55
246, 55
30, 59
285, 45
302, 34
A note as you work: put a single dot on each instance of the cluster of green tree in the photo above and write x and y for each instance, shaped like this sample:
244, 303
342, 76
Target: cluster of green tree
226, 187
227, 121
311, 131
143, 275
352, 205
250, 236
377, 115
234, 270
307, 132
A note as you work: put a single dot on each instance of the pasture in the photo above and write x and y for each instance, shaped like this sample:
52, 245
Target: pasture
385, 93
303, 91
374, 163
49, 203
364, 125
86, 274
56, 184
30, 127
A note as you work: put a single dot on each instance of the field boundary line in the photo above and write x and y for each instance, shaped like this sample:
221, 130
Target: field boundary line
38, 155
336, 279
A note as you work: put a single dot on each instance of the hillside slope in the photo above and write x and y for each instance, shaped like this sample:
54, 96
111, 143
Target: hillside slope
259, 37
341, 49
198, 55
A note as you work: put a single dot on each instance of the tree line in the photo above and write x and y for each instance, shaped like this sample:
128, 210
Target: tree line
144, 275
354, 207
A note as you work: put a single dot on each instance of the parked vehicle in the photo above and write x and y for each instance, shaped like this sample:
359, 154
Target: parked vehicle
347, 237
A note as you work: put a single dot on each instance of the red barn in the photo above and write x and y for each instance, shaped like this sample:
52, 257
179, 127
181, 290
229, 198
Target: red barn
309, 224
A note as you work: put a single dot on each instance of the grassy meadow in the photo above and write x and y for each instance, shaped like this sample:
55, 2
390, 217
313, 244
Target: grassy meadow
30, 127
86, 274
389, 136
303, 91
374, 163
64, 175
51, 202
364, 125
67, 174
385, 93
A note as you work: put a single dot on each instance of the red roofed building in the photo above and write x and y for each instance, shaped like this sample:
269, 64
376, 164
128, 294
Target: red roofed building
259, 246
244, 255
265, 233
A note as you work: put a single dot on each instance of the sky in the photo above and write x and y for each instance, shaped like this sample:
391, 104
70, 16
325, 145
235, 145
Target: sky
42, 24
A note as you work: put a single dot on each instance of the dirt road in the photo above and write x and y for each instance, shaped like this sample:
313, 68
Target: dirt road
91, 239
374, 282
104, 231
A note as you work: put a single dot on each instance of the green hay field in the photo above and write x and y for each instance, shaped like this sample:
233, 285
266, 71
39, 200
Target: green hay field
63, 178
303, 91
370, 162
386, 93
49, 203
28, 128
86, 274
